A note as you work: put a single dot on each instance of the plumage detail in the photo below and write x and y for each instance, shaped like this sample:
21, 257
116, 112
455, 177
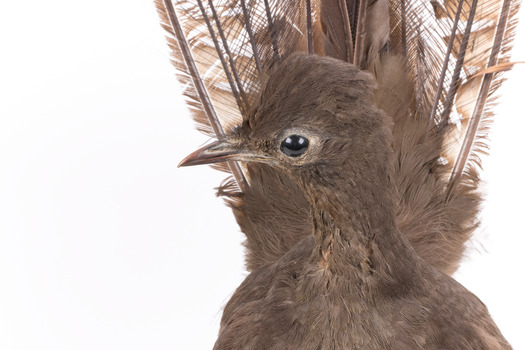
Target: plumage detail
471, 134
439, 53
198, 95
354, 281
436, 66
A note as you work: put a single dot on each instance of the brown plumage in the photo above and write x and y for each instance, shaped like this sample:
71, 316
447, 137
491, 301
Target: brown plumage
354, 281
435, 66
403, 43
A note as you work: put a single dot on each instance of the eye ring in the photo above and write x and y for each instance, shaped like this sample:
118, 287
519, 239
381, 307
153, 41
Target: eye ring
294, 145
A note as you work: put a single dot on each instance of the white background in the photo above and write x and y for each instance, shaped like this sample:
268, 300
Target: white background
104, 243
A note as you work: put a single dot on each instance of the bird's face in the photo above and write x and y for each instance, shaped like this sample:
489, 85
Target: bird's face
286, 148
312, 112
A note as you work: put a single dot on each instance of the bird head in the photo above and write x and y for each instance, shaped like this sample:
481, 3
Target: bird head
313, 116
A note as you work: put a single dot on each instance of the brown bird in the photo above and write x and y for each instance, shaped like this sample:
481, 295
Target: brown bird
388, 198
354, 282
429, 60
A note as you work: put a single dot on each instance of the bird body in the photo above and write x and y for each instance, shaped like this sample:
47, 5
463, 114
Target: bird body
354, 198
355, 282
295, 303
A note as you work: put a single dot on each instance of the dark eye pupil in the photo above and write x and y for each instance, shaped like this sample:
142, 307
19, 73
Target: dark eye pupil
294, 145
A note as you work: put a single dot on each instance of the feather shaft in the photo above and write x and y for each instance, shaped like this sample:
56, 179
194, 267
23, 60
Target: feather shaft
360, 35
403, 29
248, 25
348, 30
453, 87
199, 86
271, 27
475, 119
500, 67
219, 53
444, 68
353, 12
309, 29
242, 104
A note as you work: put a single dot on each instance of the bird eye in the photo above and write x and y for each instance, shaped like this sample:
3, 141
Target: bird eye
294, 145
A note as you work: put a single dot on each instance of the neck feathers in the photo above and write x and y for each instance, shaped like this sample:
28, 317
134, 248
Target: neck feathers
354, 226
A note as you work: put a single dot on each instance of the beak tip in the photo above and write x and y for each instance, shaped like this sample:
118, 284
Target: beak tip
188, 161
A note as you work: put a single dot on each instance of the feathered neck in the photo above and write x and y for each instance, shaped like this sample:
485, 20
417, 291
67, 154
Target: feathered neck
354, 226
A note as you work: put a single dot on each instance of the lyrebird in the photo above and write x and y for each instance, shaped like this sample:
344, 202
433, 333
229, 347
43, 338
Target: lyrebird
334, 183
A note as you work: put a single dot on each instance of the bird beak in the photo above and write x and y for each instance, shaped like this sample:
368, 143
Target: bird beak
218, 151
